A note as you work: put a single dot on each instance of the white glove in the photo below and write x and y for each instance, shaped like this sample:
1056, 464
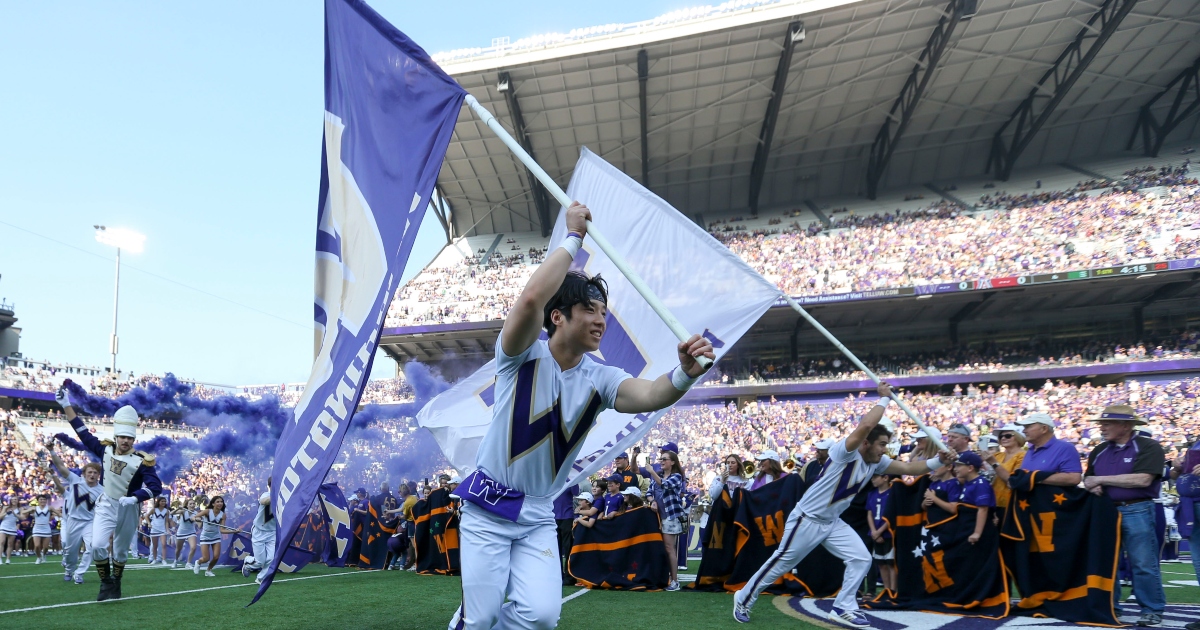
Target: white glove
128, 500
62, 398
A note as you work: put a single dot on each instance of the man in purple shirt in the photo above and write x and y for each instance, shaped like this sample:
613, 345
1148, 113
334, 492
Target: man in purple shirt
1055, 459
1128, 469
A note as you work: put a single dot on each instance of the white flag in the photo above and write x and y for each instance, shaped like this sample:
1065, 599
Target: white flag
708, 288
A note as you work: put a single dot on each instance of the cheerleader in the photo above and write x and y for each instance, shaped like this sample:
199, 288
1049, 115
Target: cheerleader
156, 518
9, 514
185, 533
41, 527
212, 523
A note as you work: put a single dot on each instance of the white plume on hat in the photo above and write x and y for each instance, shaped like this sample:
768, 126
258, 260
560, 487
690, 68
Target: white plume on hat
125, 422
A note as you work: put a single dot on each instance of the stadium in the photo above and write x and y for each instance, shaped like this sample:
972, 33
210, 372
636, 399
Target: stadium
991, 203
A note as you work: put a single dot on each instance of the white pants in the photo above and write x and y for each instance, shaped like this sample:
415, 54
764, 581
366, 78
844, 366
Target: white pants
800, 537
264, 549
77, 531
118, 521
500, 558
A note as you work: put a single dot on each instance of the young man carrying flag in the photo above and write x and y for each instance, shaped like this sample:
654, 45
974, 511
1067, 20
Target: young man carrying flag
816, 518
548, 395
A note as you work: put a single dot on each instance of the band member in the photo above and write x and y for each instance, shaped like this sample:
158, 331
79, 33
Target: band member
129, 478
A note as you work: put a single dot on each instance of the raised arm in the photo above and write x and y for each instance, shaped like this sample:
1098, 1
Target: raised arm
637, 395
58, 464
524, 321
869, 419
89, 441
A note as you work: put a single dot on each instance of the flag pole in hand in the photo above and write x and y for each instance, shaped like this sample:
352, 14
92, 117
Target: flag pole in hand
859, 364
560, 195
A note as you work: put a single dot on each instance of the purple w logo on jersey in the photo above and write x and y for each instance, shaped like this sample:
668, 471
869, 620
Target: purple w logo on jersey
845, 487
529, 432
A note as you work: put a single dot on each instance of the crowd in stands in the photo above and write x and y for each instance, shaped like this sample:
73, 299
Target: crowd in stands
1097, 223
705, 434
987, 358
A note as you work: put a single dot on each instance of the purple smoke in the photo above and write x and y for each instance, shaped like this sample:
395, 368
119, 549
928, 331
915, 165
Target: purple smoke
250, 430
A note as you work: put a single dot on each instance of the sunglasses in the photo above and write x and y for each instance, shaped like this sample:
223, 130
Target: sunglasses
1004, 436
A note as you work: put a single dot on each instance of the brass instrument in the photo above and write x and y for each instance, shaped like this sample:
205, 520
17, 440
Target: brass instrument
747, 469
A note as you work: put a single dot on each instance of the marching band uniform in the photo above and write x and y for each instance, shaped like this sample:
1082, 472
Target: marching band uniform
128, 480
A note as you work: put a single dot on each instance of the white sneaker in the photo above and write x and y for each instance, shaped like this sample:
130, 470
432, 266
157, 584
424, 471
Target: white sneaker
209, 574
259, 579
196, 568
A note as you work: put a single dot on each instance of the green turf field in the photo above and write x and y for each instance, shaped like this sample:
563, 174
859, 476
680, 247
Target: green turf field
319, 597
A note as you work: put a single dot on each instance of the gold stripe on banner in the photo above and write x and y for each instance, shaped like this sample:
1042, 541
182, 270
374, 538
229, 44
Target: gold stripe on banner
620, 544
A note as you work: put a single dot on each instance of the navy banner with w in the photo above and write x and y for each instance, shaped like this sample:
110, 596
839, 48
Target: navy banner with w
337, 522
753, 534
378, 526
625, 553
1061, 545
389, 114
939, 570
436, 534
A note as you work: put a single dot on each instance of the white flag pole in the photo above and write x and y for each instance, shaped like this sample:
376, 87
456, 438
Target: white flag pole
859, 364
560, 195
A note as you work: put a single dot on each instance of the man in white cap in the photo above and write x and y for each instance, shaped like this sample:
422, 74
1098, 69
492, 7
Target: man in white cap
812, 470
129, 478
1055, 460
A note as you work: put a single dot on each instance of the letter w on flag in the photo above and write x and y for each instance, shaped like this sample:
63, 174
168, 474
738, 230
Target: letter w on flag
389, 113
710, 290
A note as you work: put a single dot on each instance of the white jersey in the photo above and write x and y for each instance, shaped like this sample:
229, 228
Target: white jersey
846, 474
542, 416
263, 526
41, 521
8, 524
187, 527
158, 521
80, 499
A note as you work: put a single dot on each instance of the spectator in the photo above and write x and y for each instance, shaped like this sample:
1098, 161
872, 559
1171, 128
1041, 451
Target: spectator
629, 476
1128, 469
883, 550
586, 512
671, 486
768, 470
612, 501
812, 470
1055, 459
730, 478
1010, 457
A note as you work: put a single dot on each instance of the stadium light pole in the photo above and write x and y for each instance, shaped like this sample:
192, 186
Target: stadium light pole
129, 240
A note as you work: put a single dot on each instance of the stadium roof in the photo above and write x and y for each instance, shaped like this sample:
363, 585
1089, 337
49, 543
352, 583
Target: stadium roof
709, 78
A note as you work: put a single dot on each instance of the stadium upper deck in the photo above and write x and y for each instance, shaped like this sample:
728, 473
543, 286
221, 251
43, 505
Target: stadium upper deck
776, 112
761, 105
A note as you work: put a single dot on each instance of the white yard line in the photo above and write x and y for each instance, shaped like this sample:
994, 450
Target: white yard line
580, 593
194, 590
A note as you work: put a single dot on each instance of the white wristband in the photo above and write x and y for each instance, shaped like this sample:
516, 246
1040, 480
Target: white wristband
934, 463
572, 245
681, 380
884, 402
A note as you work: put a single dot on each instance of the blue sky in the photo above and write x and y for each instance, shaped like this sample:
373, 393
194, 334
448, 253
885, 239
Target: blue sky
199, 125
